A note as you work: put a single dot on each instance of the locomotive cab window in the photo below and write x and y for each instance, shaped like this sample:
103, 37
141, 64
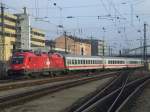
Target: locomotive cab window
17, 59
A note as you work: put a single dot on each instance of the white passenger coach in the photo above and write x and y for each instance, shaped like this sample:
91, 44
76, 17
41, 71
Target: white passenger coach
96, 62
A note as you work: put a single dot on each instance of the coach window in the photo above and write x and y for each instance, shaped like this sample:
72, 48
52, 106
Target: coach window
75, 62
72, 61
113, 61
83, 61
86, 61
78, 61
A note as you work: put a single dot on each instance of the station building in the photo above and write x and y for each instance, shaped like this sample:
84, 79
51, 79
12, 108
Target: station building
73, 45
17, 33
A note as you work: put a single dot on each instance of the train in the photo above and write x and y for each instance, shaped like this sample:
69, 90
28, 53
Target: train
28, 63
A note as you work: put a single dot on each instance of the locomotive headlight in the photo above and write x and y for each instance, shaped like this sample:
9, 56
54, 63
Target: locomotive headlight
23, 67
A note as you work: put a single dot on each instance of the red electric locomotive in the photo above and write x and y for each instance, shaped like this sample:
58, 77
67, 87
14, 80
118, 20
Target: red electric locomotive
28, 63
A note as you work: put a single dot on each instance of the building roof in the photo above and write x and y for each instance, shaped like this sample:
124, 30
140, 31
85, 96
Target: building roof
77, 39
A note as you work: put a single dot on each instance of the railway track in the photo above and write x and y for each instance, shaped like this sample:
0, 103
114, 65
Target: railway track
114, 97
28, 83
26, 95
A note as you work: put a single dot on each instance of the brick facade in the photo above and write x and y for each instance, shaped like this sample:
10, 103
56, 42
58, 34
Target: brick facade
74, 46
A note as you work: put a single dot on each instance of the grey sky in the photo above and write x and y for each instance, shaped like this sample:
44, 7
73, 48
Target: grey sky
114, 21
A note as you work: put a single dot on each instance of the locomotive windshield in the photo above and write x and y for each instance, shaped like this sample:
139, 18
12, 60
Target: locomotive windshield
17, 60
